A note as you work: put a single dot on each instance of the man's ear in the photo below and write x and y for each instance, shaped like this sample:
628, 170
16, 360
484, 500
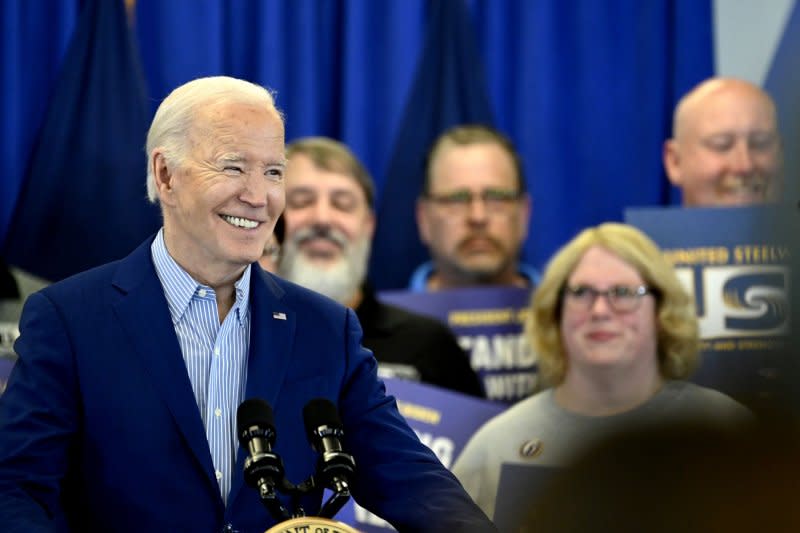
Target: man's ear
163, 176
423, 222
672, 160
370, 224
525, 218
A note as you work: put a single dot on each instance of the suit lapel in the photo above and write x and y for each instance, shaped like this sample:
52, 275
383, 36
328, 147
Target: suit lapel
271, 332
144, 316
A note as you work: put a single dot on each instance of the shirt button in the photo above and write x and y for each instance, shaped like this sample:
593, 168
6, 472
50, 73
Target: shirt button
216, 351
202, 293
217, 412
219, 474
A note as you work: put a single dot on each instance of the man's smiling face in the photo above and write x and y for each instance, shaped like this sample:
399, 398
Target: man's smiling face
221, 203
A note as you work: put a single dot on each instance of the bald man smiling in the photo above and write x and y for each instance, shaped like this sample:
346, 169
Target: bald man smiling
725, 148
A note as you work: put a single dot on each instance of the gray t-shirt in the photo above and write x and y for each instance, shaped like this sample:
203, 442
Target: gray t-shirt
538, 432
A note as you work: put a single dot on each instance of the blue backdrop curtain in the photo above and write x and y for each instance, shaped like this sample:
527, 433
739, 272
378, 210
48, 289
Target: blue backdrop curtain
87, 160
35, 36
586, 91
585, 88
449, 89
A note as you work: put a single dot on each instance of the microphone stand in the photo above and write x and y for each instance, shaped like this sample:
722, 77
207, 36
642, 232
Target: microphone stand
333, 468
341, 493
262, 470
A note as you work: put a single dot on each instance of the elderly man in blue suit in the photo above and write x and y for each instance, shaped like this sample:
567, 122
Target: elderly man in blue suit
120, 413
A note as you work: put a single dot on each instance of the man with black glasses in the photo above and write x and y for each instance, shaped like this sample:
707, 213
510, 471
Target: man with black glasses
473, 213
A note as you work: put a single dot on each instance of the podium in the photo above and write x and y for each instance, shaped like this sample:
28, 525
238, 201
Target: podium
311, 524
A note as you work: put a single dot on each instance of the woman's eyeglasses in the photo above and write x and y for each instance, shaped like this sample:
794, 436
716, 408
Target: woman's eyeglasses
621, 298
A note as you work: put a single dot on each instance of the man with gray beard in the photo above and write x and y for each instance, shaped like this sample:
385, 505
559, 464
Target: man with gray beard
329, 223
342, 278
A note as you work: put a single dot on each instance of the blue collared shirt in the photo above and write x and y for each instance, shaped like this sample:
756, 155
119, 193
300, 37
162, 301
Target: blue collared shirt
215, 354
419, 278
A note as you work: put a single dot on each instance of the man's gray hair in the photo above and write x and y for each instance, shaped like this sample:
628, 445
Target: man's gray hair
175, 116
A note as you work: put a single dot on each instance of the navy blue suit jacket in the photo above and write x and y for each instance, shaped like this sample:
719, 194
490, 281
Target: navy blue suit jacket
99, 429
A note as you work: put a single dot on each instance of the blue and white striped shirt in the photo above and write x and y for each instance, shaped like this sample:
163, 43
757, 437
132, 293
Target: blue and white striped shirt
215, 355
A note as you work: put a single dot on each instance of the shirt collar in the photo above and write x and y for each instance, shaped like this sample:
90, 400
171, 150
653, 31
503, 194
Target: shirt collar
242, 303
180, 287
419, 278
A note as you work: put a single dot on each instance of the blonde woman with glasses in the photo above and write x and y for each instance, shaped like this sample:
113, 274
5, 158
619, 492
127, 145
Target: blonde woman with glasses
617, 336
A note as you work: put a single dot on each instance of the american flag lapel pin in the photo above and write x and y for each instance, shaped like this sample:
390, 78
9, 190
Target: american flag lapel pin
278, 315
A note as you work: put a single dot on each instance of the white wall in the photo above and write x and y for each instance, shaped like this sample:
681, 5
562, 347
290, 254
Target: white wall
746, 34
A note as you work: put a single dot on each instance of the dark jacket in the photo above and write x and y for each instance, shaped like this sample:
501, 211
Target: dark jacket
99, 425
397, 336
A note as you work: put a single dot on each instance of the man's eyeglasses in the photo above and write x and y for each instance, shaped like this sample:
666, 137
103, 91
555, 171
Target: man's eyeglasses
495, 200
621, 298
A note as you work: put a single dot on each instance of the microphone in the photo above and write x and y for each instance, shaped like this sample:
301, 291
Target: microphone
263, 469
335, 467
